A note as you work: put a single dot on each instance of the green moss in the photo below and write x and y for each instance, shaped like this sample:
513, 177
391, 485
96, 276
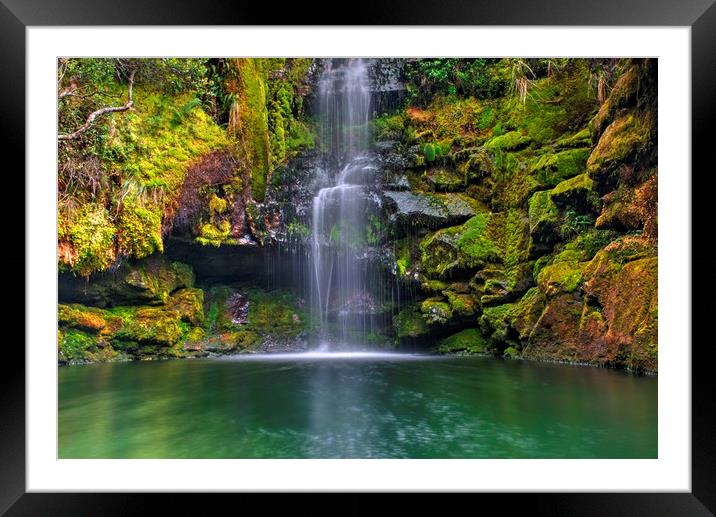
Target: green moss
249, 120
475, 243
552, 168
189, 304
75, 345
463, 305
140, 230
509, 141
514, 235
92, 235
543, 214
577, 193
469, 340
511, 352
409, 324
494, 322
579, 139
148, 325
217, 205
436, 311
214, 235
560, 277
624, 138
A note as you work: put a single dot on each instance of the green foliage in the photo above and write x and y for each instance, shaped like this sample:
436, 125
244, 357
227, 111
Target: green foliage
574, 223
389, 127
429, 152
480, 78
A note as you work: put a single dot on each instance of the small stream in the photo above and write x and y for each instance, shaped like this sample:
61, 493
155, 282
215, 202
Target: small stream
345, 405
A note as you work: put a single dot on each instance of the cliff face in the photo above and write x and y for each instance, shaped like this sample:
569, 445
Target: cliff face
519, 202
554, 256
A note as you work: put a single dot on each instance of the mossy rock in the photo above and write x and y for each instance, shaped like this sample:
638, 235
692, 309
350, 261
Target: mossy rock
478, 164
462, 305
494, 324
436, 311
625, 94
627, 140
552, 168
409, 324
512, 141
146, 282
76, 346
149, 326
621, 211
86, 319
469, 340
544, 222
511, 353
443, 179
576, 193
189, 304
508, 285
562, 277
580, 139
457, 248
526, 312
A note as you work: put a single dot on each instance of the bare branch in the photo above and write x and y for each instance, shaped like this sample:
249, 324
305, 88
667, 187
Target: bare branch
98, 113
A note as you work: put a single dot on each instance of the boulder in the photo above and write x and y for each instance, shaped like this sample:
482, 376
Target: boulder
410, 210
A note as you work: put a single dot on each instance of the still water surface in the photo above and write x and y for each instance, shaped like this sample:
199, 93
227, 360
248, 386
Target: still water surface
354, 406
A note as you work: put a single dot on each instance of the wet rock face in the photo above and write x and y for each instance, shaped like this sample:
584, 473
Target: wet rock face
149, 281
434, 211
238, 305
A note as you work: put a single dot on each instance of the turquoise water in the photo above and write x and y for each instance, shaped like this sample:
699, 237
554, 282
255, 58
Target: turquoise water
348, 406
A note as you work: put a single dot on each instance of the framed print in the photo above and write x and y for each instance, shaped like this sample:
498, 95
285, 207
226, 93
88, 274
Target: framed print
397, 258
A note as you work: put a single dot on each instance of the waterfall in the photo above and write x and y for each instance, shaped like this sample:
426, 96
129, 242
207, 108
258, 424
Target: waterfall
340, 299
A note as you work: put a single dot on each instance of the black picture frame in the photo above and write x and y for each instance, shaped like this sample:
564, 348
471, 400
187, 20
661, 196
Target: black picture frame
699, 15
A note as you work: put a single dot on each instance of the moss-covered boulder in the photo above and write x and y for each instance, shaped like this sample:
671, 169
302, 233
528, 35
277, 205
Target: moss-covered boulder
410, 325
544, 222
555, 335
462, 305
612, 320
469, 340
631, 88
621, 211
512, 141
149, 326
459, 248
552, 168
409, 210
561, 277
444, 179
189, 304
436, 312
576, 193
87, 319
627, 140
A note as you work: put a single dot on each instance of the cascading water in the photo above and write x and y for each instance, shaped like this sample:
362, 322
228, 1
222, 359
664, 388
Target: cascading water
341, 301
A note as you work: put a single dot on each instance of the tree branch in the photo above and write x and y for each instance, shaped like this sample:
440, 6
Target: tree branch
103, 111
